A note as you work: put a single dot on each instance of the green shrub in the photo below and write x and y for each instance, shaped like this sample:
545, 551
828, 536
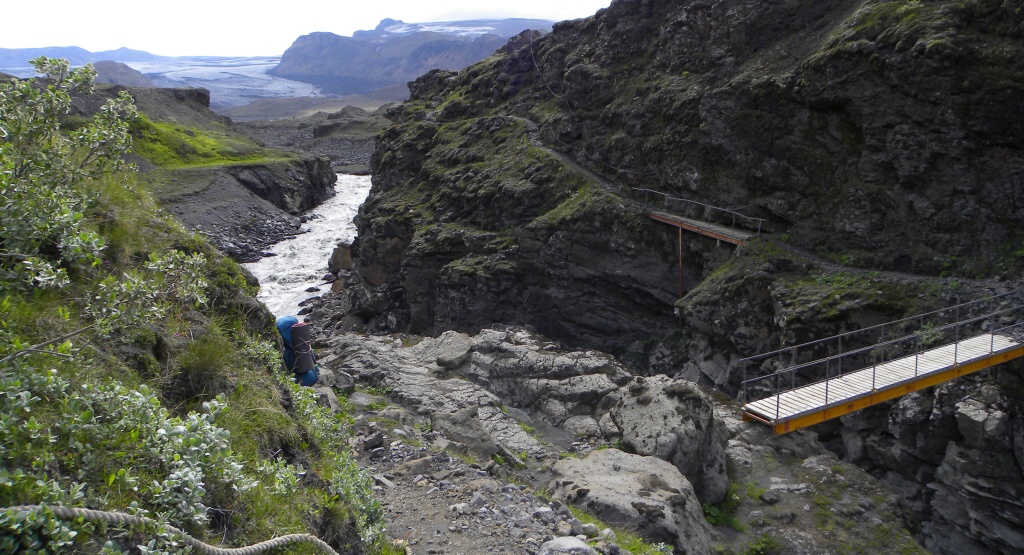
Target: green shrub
724, 513
763, 545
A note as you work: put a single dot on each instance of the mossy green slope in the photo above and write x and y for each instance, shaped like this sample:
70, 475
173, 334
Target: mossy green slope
179, 414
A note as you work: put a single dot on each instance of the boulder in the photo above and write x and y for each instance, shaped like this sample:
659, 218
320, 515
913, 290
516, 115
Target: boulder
672, 420
981, 425
645, 494
326, 398
341, 259
337, 380
464, 427
453, 349
566, 545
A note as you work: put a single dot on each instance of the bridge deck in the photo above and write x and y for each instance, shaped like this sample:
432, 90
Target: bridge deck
721, 232
853, 391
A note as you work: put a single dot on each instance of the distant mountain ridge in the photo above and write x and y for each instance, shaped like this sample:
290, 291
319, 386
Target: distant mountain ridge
19, 57
395, 52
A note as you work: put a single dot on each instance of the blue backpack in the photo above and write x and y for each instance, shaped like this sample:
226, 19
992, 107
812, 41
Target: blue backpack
307, 378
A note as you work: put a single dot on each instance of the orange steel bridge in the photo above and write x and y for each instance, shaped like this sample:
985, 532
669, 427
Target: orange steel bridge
885, 369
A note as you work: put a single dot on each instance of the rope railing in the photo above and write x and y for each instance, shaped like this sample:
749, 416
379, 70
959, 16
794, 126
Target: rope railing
731, 216
877, 352
71, 513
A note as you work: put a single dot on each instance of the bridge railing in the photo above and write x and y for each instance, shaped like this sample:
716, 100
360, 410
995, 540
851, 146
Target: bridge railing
872, 355
689, 208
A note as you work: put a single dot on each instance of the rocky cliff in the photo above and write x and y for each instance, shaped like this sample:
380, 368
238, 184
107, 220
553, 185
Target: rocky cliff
880, 140
500, 185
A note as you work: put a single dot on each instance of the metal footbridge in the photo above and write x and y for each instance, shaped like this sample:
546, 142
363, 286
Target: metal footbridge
893, 364
720, 224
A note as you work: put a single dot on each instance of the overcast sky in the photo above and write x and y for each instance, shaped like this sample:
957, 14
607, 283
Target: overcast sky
231, 28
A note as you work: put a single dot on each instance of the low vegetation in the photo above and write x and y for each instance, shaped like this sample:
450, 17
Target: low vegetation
168, 145
130, 378
623, 538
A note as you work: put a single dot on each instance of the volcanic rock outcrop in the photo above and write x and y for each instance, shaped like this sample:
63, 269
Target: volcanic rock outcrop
584, 393
875, 138
864, 131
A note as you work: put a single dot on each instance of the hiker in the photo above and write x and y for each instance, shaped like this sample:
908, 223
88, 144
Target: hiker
298, 353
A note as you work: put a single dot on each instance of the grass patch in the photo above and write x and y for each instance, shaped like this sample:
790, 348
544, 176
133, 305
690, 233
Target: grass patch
623, 538
169, 145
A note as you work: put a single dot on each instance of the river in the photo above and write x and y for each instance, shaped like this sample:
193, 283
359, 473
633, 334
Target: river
300, 262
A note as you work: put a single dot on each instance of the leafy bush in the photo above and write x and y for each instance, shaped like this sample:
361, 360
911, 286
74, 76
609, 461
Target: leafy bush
44, 173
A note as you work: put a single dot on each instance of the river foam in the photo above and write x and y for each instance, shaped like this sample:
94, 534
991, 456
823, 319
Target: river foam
300, 262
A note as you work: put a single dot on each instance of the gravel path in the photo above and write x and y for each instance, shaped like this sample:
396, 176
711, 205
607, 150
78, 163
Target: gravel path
438, 503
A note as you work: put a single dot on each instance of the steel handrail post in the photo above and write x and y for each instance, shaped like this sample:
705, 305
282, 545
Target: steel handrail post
826, 388
874, 367
778, 398
916, 355
956, 335
744, 392
991, 335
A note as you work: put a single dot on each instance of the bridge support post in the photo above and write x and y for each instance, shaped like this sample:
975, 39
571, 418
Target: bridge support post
680, 263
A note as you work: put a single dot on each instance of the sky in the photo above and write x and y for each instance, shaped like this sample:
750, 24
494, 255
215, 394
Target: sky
232, 28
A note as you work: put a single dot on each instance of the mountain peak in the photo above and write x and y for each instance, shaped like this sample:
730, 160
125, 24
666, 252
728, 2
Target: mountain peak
388, 22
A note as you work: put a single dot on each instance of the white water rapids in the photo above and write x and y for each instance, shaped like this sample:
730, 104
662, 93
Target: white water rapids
300, 262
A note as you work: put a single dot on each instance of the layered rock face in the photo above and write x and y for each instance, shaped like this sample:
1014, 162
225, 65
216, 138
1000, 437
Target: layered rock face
879, 135
865, 131
874, 129
246, 208
243, 207
955, 455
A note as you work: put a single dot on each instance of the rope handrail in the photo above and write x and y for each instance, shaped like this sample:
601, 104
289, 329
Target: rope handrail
726, 210
876, 326
133, 520
916, 335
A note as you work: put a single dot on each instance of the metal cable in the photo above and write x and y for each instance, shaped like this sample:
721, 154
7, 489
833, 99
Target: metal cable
132, 520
